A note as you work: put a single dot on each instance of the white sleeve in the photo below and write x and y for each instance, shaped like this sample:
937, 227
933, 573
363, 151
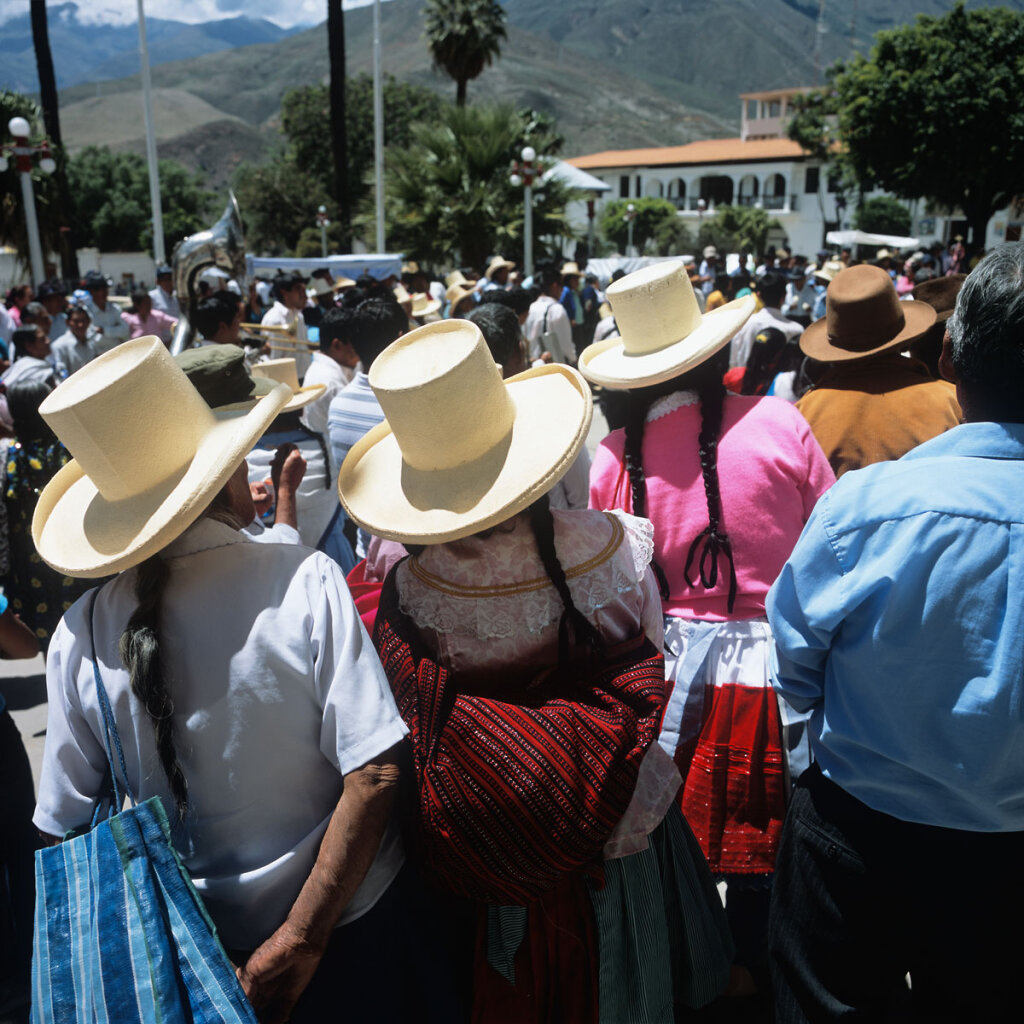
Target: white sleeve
360, 718
558, 321
74, 761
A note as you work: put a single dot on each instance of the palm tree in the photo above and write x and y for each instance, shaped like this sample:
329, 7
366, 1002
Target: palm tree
339, 138
464, 37
449, 197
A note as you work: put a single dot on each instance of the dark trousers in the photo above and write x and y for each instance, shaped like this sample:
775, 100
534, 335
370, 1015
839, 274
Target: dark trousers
18, 843
861, 898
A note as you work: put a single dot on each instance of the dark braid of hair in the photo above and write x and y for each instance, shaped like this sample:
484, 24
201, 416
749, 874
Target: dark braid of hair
139, 648
636, 419
584, 633
712, 537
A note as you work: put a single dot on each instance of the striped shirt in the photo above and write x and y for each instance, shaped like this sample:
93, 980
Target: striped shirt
354, 411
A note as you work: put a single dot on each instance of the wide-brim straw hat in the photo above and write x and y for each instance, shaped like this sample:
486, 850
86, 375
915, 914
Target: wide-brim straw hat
457, 292
662, 332
828, 270
454, 278
149, 455
341, 283
424, 305
498, 263
864, 316
460, 450
284, 372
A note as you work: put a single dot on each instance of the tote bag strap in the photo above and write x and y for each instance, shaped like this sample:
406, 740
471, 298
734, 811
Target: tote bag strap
111, 740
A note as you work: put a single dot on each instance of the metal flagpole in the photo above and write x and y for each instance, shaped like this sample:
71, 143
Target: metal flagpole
159, 253
378, 126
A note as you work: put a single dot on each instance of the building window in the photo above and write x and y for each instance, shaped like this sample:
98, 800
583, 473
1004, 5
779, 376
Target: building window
624, 186
774, 108
812, 180
639, 187
751, 110
833, 183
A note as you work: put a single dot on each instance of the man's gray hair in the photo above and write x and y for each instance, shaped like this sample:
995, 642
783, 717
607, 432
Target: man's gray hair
987, 331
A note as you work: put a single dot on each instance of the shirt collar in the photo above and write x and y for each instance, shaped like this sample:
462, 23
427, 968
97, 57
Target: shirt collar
985, 440
202, 536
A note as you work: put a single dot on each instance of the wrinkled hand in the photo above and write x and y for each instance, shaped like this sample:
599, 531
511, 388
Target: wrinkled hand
262, 496
277, 973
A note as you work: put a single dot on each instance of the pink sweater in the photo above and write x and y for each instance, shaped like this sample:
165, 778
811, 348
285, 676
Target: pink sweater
771, 472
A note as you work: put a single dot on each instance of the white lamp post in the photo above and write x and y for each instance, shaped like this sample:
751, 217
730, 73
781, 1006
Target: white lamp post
629, 218
23, 151
323, 223
529, 155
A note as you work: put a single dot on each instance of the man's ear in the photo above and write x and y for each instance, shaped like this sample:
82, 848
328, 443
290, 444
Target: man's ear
946, 367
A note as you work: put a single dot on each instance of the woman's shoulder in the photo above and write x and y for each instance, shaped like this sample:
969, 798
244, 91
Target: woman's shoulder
588, 540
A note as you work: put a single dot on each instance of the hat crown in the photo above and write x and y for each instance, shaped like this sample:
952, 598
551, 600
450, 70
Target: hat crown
134, 392
281, 370
654, 307
442, 395
863, 310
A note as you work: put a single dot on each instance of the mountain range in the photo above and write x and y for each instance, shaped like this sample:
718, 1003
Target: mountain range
614, 75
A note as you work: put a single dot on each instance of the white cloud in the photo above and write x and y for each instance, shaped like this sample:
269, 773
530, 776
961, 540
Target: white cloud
123, 12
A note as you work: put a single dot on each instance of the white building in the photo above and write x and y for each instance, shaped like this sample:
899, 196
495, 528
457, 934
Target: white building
762, 167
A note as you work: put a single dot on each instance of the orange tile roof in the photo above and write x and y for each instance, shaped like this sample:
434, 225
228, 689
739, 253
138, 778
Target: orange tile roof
707, 151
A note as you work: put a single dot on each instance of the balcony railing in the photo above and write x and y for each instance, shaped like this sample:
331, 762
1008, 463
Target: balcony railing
769, 202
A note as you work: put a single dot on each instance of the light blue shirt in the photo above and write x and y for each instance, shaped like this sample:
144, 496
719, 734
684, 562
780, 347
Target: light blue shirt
353, 412
899, 622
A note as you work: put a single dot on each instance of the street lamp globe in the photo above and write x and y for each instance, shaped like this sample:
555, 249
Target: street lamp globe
19, 127
631, 208
515, 181
321, 209
529, 154
47, 165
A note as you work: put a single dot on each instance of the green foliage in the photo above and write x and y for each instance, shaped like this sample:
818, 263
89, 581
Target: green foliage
464, 37
673, 237
737, 229
651, 216
883, 215
936, 111
12, 214
448, 194
279, 199
113, 211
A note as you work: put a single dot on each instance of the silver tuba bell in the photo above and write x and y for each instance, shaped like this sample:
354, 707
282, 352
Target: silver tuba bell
221, 246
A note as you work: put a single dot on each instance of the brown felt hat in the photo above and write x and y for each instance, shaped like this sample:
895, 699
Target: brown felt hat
940, 293
864, 316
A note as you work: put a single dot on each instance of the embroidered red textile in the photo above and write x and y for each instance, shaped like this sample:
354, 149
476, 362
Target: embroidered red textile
365, 593
513, 796
733, 796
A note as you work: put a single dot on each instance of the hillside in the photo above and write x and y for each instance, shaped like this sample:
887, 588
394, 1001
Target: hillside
614, 75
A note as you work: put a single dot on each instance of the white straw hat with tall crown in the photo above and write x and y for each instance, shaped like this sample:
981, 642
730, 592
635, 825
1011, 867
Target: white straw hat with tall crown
149, 455
662, 332
460, 450
284, 372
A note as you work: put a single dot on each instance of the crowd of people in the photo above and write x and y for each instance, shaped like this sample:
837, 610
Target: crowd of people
455, 722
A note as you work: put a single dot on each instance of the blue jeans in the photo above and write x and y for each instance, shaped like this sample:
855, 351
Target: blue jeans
861, 898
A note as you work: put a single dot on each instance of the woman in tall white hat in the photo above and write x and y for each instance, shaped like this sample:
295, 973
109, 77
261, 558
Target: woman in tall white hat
728, 482
508, 600
244, 689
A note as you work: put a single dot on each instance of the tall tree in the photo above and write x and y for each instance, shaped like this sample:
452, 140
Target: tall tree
51, 119
339, 134
448, 193
464, 37
913, 120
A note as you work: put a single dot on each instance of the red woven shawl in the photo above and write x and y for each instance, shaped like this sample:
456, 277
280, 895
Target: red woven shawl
512, 795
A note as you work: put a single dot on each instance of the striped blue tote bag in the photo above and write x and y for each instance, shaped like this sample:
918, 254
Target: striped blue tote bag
121, 935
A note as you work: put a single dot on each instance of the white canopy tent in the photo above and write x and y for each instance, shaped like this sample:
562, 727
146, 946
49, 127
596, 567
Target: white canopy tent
852, 238
378, 265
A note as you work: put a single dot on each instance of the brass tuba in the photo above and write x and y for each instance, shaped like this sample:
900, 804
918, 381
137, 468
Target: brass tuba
221, 246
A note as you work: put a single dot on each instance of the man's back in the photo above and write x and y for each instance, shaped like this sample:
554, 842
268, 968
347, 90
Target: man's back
900, 620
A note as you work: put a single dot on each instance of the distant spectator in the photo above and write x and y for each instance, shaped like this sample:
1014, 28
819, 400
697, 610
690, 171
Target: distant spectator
548, 330
110, 329
17, 299
217, 318
35, 361
163, 295
54, 297
771, 288
75, 347
143, 319
289, 301
334, 366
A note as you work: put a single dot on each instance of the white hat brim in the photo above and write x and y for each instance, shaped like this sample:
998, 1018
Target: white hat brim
609, 364
301, 398
80, 533
553, 410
